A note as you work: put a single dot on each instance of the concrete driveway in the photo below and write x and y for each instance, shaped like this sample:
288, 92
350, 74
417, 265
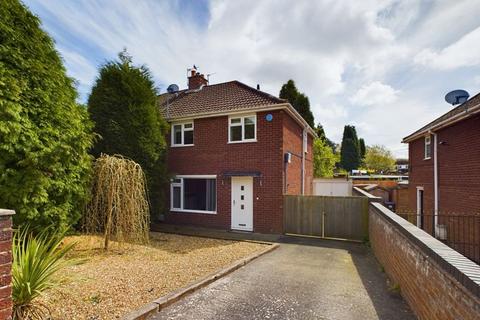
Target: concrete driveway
302, 279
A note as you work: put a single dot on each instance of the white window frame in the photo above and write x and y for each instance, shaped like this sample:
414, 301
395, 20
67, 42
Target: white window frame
429, 145
183, 129
242, 124
180, 184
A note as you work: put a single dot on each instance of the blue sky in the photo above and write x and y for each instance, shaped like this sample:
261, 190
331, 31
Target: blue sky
383, 66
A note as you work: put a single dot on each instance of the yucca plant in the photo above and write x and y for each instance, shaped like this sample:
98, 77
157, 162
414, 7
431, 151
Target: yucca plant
37, 258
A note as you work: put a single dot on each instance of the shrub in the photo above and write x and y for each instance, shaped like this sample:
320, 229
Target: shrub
119, 204
37, 259
44, 134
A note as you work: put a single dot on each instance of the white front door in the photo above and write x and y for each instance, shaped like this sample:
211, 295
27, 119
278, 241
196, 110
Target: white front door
242, 203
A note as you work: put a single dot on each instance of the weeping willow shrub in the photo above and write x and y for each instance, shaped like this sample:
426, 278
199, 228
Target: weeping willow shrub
119, 206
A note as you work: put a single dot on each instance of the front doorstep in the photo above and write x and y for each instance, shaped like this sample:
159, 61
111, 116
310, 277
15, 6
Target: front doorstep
152, 308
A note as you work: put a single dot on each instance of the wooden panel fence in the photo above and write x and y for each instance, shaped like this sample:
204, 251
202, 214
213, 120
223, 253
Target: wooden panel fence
327, 217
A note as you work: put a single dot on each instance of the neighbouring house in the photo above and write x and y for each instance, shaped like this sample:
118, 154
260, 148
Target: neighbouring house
234, 151
444, 178
401, 166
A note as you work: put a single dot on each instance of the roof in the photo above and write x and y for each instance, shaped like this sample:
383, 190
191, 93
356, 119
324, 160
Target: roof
450, 115
217, 98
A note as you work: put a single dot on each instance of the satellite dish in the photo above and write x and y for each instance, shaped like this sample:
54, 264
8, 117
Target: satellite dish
457, 96
172, 88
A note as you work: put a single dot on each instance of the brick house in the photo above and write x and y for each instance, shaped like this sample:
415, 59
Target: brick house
444, 179
234, 151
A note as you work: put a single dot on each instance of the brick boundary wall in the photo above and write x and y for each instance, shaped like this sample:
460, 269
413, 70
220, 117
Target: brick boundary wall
436, 281
6, 264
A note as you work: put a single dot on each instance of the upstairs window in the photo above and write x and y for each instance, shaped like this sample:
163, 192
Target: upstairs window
182, 134
242, 129
428, 147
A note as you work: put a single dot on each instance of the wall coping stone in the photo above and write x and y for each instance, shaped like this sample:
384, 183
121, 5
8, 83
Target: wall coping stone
6, 212
371, 197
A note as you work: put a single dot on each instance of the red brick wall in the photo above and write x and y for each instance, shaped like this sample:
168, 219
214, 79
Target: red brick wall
458, 170
459, 167
212, 155
292, 142
431, 285
421, 175
5, 264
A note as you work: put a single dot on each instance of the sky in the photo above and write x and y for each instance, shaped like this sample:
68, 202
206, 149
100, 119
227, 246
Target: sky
383, 66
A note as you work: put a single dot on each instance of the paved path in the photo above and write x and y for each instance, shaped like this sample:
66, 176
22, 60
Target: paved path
303, 279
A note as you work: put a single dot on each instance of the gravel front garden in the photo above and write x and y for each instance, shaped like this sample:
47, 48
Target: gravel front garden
108, 285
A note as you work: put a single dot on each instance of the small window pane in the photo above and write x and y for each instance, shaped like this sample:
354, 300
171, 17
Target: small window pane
250, 120
235, 120
250, 131
188, 125
176, 197
188, 137
177, 134
242, 207
176, 180
236, 133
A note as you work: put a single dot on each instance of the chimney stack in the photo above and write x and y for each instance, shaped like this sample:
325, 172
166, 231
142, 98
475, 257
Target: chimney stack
196, 80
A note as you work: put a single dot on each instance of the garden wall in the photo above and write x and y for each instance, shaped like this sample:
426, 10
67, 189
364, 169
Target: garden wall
6, 264
436, 281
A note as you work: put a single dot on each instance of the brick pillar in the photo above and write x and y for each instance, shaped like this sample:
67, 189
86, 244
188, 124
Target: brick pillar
6, 264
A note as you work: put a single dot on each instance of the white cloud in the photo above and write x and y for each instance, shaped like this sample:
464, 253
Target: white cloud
340, 53
462, 53
374, 94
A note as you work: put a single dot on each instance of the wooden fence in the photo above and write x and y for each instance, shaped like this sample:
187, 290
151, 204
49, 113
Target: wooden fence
327, 217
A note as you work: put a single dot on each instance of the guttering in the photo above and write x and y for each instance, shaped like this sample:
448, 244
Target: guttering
279, 106
458, 117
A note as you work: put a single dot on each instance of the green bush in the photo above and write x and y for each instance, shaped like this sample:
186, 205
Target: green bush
44, 134
37, 259
123, 106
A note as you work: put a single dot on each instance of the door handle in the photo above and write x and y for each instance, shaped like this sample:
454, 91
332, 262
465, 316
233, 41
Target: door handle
233, 202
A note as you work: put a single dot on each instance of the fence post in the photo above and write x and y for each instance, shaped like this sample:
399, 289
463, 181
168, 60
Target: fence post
6, 263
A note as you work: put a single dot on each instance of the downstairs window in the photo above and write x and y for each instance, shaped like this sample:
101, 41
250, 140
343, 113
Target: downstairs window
194, 194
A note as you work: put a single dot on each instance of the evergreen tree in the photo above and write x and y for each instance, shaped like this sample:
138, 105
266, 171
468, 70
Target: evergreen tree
298, 100
321, 134
362, 148
123, 107
44, 134
349, 152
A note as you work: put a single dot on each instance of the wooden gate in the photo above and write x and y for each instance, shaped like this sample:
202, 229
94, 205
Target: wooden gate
327, 217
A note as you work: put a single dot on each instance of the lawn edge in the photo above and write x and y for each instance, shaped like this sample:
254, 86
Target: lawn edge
155, 306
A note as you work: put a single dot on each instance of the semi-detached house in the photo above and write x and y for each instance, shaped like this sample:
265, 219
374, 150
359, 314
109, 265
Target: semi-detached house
233, 152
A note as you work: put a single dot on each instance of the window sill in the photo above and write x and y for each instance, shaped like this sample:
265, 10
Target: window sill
192, 211
243, 141
427, 158
182, 145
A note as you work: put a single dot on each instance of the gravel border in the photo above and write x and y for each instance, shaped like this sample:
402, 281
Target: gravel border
153, 307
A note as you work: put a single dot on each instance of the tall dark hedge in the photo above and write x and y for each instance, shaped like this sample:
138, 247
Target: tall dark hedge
44, 134
298, 100
123, 107
350, 152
